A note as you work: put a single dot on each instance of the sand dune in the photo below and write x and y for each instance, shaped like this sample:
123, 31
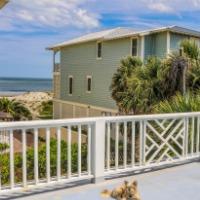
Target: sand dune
32, 100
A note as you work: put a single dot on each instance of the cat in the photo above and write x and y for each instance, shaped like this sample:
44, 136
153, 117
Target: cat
128, 191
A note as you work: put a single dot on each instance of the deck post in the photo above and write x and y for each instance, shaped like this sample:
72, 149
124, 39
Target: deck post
97, 151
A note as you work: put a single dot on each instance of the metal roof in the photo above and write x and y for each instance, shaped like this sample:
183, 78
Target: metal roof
119, 32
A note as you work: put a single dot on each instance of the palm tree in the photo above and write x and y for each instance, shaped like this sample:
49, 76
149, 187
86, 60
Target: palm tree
191, 49
172, 73
144, 84
16, 109
179, 103
192, 52
119, 86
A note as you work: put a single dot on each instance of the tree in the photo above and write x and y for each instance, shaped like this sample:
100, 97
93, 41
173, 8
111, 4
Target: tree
191, 49
136, 87
16, 109
192, 52
119, 86
179, 103
172, 73
46, 110
144, 84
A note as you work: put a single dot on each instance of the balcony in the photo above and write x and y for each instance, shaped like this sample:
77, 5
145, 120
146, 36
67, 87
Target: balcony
56, 68
69, 152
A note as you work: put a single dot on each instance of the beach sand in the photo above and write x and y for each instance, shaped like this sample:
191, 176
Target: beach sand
32, 100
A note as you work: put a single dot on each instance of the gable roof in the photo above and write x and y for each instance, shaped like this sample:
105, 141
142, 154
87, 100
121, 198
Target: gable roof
119, 32
102, 35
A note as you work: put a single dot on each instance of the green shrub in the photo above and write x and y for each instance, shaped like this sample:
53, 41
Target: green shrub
3, 146
46, 110
5, 169
179, 103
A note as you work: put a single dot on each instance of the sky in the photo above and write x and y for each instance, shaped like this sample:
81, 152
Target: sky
27, 27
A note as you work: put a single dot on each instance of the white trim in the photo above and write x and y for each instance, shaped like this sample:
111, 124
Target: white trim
98, 42
86, 106
70, 76
142, 48
168, 42
88, 77
131, 46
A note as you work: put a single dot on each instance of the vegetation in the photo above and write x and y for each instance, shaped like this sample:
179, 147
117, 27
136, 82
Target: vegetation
4, 159
121, 92
138, 88
16, 109
46, 110
3, 146
179, 103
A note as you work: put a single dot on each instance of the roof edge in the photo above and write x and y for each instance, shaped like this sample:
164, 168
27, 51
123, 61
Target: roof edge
173, 28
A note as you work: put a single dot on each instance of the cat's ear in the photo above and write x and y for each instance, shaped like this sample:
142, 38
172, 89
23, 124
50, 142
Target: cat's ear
135, 183
106, 194
125, 182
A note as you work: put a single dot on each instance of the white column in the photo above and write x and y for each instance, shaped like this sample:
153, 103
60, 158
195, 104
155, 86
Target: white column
36, 168
97, 151
168, 43
54, 60
24, 164
142, 48
12, 174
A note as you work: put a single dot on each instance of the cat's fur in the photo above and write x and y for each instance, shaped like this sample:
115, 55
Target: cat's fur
128, 191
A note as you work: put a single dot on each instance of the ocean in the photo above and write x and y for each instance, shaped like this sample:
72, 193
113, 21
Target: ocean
14, 86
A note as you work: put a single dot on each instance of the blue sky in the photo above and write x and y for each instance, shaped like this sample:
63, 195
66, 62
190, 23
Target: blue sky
27, 27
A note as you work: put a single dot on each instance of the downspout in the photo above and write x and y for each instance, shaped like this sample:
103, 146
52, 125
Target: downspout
142, 48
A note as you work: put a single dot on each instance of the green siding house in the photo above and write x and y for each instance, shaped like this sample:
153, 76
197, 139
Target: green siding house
83, 74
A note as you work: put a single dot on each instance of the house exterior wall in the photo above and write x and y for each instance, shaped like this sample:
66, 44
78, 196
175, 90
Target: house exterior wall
56, 85
176, 40
156, 45
80, 61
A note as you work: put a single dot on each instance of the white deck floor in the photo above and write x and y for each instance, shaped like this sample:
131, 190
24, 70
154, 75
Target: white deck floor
177, 183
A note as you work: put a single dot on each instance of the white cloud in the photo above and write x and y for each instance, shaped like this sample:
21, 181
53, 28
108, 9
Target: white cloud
169, 6
48, 13
161, 7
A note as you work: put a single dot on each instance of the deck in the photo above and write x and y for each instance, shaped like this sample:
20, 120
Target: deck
180, 182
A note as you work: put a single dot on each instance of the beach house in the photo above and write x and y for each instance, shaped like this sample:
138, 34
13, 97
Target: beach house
83, 72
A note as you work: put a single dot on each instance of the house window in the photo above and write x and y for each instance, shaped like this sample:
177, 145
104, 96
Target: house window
89, 83
99, 50
134, 47
70, 85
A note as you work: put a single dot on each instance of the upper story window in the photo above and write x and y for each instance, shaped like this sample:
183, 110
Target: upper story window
89, 83
70, 85
99, 50
134, 49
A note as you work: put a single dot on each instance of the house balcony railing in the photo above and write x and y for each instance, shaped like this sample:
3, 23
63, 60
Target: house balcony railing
103, 146
56, 67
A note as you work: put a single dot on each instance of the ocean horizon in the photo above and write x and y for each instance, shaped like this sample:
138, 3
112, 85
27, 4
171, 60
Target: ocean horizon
16, 85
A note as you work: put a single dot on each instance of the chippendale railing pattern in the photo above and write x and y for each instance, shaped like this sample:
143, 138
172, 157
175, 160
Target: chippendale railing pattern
164, 140
93, 148
144, 141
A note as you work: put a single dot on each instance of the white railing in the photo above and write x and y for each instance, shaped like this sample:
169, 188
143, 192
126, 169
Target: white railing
4, 137
69, 150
